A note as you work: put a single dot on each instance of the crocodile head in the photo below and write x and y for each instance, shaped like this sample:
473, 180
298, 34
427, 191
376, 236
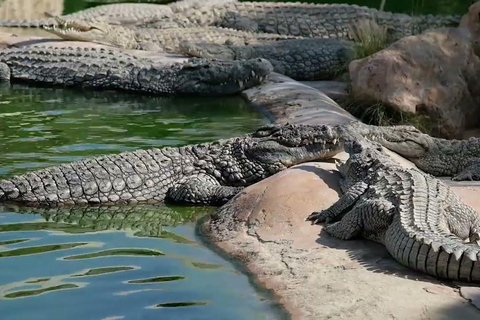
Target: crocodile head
207, 50
407, 141
364, 158
93, 31
217, 77
281, 146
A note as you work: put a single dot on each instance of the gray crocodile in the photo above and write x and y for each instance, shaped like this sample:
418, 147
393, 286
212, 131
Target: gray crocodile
300, 59
119, 13
439, 157
203, 174
113, 69
301, 19
159, 40
421, 222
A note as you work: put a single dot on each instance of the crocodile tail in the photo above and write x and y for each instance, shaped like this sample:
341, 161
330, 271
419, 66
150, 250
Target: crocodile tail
37, 23
441, 255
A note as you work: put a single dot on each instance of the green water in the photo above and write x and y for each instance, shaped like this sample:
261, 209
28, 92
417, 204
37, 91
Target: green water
141, 262
404, 6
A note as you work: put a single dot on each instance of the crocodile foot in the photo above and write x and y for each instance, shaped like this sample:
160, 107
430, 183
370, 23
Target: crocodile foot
471, 173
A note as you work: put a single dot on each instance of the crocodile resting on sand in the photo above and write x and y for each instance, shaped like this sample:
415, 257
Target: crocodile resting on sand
440, 157
421, 222
301, 19
113, 69
203, 174
159, 40
300, 59
119, 13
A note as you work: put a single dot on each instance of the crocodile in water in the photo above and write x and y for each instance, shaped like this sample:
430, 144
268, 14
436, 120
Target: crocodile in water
204, 174
113, 69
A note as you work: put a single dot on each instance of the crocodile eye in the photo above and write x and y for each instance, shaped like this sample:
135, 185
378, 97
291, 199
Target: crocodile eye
266, 130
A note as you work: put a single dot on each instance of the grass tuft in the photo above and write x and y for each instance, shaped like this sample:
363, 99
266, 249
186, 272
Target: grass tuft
369, 38
382, 115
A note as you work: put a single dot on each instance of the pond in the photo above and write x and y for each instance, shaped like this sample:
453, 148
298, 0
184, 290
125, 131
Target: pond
140, 262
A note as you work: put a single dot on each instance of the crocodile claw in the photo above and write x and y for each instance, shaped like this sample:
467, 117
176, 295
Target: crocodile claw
319, 217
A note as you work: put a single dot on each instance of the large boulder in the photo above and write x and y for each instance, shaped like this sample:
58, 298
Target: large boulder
435, 74
314, 275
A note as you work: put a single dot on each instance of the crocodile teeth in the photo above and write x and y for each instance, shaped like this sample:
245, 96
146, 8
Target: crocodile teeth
253, 73
240, 83
435, 246
458, 254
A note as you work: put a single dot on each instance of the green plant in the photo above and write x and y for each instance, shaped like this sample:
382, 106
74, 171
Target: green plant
383, 115
369, 38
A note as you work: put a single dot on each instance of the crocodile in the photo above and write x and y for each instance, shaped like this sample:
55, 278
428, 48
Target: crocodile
113, 69
459, 159
119, 13
421, 222
300, 59
202, 174
159, 40
301, 19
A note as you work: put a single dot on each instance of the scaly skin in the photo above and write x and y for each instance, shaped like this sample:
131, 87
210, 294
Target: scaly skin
120, 13
159, 40
204, 174
300, 59
421, 222
301, 19
114, 69
440, 157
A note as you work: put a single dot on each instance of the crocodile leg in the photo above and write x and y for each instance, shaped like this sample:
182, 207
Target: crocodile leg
346, 201
470, 172
201, 190
369, 218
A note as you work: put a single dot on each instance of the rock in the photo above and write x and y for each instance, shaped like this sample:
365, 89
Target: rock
472, 294
285, 100
336, 90
314, 275
471, 22
435, 74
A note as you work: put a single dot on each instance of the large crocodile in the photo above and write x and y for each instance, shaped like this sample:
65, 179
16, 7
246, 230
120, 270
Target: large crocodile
300, 59
301, 19
205, 174
421, 222
120, 13
113, 69
437, 156
159, 40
